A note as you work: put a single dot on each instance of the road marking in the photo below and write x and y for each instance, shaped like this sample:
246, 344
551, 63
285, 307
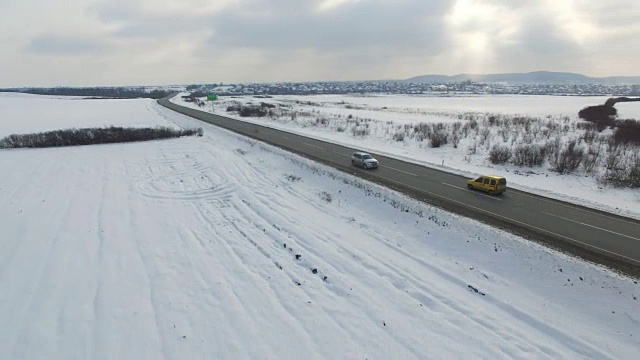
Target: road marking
402, 171
595, 227
480, 193
286, 137
317, 147
454, 186
575, 207
339, 153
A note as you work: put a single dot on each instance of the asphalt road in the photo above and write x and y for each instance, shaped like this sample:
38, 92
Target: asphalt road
597, 236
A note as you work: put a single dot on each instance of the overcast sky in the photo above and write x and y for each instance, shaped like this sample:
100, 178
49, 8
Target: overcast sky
157, 42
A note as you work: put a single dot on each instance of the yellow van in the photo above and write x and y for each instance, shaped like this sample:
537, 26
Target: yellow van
493, 185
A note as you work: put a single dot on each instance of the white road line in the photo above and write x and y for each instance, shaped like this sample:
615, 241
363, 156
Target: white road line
591, 226
314, 146
402, 171
339, 153
286, 137
575, 207
465, 189
454, 186
515, 221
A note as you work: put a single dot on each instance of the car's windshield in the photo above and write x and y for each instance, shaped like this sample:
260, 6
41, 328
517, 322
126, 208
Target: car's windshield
366, 156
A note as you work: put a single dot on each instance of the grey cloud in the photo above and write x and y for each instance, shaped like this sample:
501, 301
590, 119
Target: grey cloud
50, 44
540, 45
287, 25
539, 35
132, 22
162, 26
116, 11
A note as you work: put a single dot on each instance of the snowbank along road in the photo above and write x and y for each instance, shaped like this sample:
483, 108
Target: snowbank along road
593, 234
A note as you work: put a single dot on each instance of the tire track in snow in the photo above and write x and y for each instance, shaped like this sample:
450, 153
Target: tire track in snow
424, 294
243, 178
333, 287
234, 220
99, 256
395, 275
186, 179
36, 287
241, 253
292, 278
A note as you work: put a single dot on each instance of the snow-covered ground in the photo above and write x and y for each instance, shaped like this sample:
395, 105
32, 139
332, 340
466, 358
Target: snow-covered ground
222, 247
344, 119
25, 113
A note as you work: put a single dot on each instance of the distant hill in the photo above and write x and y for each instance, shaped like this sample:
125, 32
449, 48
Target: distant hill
536, 77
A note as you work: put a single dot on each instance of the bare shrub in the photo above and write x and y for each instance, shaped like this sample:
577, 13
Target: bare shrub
465, 130
528, 155
627, 132
505, 134
438, 138
527, 138
591, 159
484, 134
325, 196
473, 123
293, 178
588, 136
535, 130
552, 148
613, 160
422, 131
322, 121
253, 111
499, 154
398, 136
360, 131
569, 159
623, 175
455, 140
583, 125
473, 148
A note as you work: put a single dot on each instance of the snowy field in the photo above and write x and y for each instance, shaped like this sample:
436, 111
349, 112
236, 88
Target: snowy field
388, 125
221, 247
25, 113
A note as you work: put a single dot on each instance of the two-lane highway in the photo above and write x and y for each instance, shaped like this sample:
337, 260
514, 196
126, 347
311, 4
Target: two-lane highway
592, 234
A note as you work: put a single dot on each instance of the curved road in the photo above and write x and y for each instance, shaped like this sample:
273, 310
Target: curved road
594, 235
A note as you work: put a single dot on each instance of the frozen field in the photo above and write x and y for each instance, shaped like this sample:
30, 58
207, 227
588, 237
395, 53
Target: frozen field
221, 247
24, 113
386, 124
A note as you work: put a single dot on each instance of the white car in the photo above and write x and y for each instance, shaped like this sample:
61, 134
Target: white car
364, 160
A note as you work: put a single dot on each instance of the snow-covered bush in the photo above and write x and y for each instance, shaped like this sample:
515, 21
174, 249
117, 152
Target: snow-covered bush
500, 154
528, 155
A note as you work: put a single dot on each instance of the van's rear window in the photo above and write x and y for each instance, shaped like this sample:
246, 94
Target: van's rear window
502, 182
